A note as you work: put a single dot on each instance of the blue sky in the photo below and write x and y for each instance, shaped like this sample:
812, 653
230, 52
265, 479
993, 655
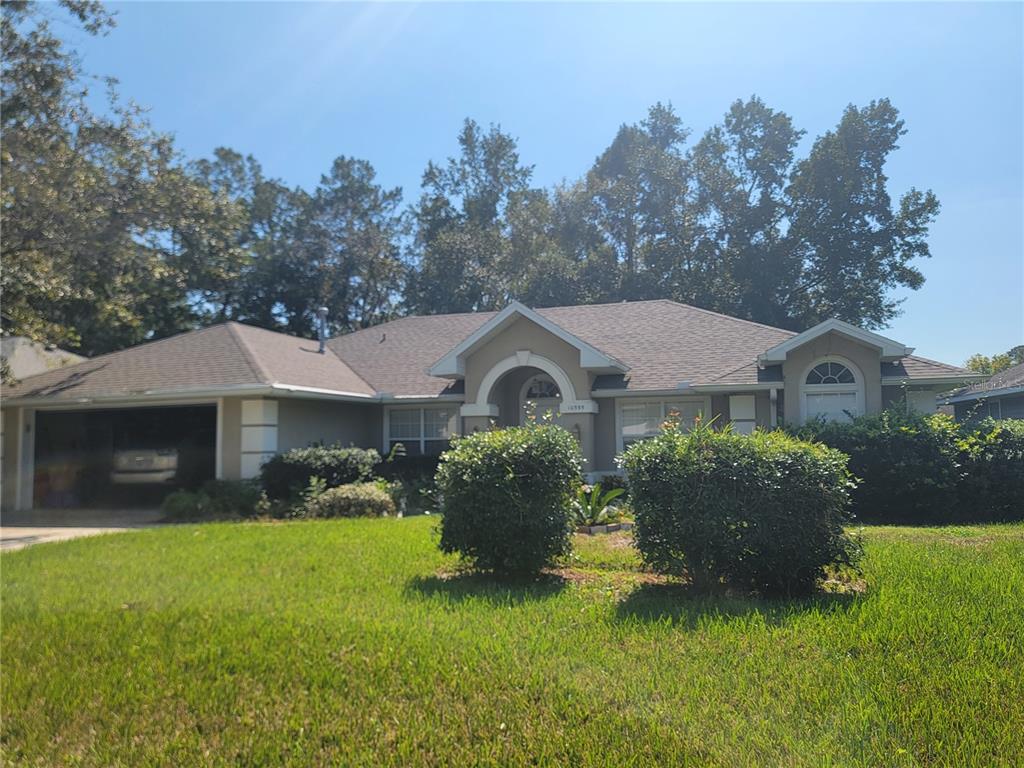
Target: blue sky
297, 84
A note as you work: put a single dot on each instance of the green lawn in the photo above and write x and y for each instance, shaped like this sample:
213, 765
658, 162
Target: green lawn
350, 643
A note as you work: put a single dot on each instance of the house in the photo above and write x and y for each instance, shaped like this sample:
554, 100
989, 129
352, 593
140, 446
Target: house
232, 395
1001, 397
25, 357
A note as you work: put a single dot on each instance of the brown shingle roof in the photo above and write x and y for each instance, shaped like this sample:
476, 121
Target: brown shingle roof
221, 356
663, 343
914, 367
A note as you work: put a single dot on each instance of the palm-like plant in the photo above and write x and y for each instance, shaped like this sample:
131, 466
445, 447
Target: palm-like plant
592, 507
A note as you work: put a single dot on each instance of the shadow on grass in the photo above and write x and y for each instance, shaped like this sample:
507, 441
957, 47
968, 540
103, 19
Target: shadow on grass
681, 605
471, 585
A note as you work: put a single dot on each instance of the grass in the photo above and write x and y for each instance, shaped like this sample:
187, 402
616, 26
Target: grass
357, 643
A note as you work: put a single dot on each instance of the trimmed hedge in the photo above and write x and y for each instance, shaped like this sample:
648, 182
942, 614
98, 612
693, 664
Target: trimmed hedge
930, 469
505, 497
352, 500
764, 512
909, 464
287, 474
992, 484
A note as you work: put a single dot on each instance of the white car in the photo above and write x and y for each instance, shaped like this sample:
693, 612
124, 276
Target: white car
145, 466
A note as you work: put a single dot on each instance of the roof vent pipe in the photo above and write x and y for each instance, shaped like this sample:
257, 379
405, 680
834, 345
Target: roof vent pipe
321, 327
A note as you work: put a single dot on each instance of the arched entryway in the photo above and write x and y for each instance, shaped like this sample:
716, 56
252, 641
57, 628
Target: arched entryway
493, 399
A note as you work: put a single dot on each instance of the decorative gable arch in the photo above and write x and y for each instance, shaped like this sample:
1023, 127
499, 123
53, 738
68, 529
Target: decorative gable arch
526, 359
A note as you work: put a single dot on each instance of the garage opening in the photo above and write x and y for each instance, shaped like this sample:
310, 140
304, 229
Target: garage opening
122, 458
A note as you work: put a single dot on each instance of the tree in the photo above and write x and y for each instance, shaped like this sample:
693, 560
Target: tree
740, 263
461, 246
636, 191
102, 226
348, 238
991, 365
853, 245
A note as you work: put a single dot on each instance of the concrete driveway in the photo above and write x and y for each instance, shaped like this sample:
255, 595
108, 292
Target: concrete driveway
20, 529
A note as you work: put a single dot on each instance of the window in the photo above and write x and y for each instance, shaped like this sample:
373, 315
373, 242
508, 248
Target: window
830, 373
541, 388
831, 391
642, 419
422, 431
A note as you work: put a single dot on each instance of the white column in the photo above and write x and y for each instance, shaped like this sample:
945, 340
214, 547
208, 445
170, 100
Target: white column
259, 434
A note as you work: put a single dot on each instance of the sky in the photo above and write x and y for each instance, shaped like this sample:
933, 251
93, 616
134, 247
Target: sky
297, 84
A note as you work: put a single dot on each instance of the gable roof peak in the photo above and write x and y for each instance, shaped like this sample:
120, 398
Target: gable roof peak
890, 349
453, 363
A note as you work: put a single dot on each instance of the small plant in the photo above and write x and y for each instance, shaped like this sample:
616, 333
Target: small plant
594, 506
352, 500
506, 495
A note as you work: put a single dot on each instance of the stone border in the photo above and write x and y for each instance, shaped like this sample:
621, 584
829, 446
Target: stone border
592, 530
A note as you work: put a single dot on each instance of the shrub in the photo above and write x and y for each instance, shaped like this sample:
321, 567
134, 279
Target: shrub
217, 500
764, 512
909, 464
992, 484
182, 506
286, 474
505, 497
352, 500
232, 497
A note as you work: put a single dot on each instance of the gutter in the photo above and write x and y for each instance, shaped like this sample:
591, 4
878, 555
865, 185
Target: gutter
985, 394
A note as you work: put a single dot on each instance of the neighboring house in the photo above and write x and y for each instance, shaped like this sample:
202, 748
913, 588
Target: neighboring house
609, 373
1001, 397
27, 358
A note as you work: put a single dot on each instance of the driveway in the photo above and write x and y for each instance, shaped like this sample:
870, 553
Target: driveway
19, 529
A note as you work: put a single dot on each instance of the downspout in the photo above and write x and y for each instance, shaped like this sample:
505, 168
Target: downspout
773, 411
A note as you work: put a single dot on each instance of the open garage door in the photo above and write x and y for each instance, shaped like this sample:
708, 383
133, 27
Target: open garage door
122, 458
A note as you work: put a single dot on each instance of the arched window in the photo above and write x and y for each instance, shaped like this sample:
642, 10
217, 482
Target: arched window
832, 389
830, 373
541, 388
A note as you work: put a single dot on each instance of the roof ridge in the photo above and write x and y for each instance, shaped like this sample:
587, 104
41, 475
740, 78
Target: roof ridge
247, 353
727, 317
255, 359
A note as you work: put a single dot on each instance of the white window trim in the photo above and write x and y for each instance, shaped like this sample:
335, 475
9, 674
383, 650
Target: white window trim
624, 401
453, 425
857, 388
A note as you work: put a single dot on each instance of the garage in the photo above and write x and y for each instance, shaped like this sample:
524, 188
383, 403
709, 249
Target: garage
121, 457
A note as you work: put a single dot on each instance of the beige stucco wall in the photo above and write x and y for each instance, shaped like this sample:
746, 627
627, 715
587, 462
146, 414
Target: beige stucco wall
867, 359
302, 422
524, 334
605, 439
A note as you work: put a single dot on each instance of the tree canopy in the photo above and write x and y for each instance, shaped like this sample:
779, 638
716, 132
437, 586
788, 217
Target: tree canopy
111, 236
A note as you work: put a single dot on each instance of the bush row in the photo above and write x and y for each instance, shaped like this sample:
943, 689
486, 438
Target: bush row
930, 469
763, 513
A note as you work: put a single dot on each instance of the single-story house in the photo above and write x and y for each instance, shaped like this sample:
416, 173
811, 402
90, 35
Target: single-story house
608, 373
1001, 397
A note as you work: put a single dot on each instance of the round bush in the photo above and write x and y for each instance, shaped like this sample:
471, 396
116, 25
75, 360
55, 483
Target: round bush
286, 474
909, 464
505, 497
352, 500
765, 512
